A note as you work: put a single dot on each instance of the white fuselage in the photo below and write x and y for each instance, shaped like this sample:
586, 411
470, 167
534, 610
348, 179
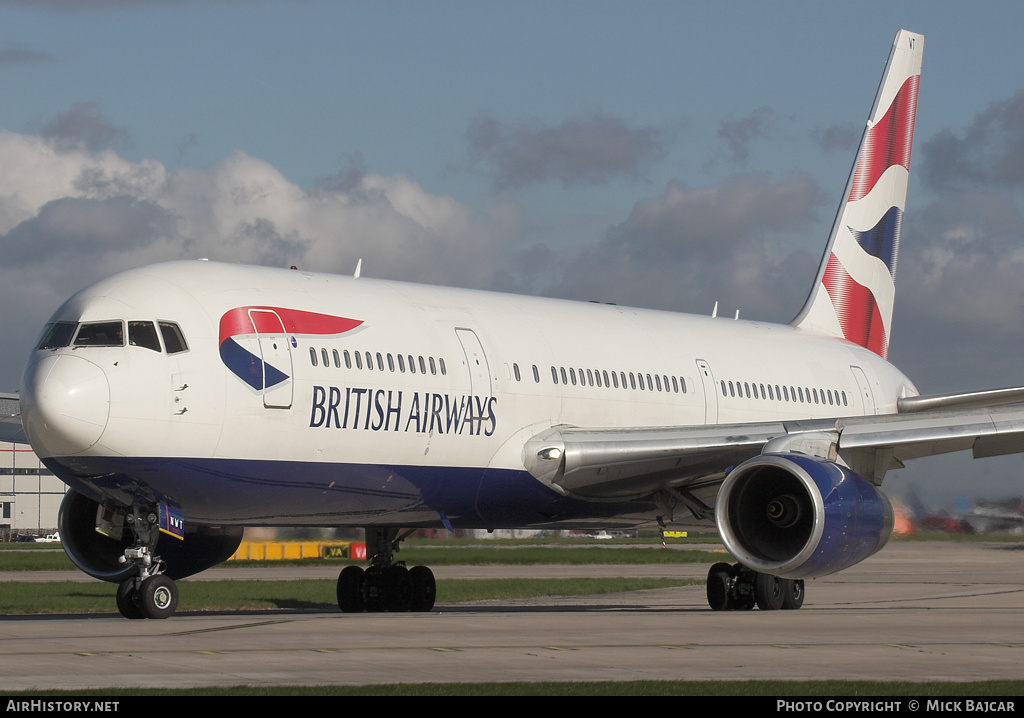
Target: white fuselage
448, 381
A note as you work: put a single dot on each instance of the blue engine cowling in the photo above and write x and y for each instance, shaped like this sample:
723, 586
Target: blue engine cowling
796, 516
97, 554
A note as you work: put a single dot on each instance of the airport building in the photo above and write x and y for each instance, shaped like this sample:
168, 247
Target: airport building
30, 494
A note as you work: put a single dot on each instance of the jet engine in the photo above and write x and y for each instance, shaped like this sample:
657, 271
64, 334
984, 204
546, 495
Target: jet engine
97, 554
797, 516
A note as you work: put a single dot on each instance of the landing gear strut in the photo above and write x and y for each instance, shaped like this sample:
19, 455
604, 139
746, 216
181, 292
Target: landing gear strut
148, 594
738, 588
387, 585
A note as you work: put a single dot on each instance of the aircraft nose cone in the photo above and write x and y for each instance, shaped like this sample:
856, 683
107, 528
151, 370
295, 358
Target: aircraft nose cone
65, 402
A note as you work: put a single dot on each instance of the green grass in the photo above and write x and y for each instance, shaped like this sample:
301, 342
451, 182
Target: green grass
36, 561
97, 597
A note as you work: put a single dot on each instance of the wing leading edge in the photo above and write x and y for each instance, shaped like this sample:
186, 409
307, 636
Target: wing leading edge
616, 463
10, 420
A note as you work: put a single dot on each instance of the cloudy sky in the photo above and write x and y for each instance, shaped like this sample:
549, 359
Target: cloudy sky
657, 154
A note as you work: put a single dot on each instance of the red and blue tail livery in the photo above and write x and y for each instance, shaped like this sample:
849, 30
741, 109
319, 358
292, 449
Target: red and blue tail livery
853, 296
251, 336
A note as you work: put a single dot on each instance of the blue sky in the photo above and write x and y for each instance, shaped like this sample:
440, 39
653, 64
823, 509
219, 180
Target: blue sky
663, 154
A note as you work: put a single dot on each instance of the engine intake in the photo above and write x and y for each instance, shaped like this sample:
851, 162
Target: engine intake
796, 516
98, 555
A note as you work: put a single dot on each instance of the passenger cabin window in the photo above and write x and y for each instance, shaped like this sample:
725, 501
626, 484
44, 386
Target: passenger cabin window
143, 334
57, 335
100, 334
174, 340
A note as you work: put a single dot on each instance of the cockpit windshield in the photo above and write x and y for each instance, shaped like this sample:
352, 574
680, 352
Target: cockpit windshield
57, 335
174, 340
143, 334
111, 334
100, 334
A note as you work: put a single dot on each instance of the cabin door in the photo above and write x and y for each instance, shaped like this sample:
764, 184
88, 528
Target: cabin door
710, 394
866, 397
476, 363
277, 358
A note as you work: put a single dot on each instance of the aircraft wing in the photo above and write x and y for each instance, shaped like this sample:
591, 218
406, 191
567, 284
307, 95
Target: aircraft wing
691, 461
10, 421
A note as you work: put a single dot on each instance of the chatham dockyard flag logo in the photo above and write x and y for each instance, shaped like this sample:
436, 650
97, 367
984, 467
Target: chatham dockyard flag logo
255, 341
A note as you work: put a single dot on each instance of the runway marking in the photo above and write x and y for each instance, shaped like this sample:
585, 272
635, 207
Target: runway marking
936, 597
254, 624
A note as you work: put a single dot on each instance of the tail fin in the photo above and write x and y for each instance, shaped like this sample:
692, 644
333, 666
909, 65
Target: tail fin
853, 292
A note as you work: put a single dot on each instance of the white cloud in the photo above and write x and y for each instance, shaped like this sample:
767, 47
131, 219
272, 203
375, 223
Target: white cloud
69, 217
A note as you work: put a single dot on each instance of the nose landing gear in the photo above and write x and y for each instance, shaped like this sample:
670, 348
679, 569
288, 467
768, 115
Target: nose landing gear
148, 594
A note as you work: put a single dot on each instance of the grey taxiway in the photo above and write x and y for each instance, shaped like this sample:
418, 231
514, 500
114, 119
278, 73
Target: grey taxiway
916, 611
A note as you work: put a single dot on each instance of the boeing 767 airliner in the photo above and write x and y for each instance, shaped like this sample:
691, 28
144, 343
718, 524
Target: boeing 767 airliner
184, 401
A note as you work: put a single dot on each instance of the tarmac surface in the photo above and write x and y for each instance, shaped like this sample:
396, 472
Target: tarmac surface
917, 611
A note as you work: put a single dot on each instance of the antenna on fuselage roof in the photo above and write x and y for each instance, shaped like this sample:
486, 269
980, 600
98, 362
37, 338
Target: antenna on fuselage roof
359, 268
714, 312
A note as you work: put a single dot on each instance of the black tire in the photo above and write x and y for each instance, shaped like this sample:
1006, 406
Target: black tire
373, 591
792, 594
126, 600
768, 592
718, 587
397, 589
350, 589
157, 597
424, 588
744, 603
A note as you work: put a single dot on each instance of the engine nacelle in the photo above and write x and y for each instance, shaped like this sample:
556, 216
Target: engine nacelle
796, 516
97, 554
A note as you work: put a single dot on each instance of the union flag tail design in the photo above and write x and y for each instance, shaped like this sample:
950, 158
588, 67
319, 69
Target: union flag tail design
853, 293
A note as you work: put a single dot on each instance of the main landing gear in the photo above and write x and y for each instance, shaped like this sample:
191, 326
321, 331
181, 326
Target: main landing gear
387, 585
738, 588
148, 594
